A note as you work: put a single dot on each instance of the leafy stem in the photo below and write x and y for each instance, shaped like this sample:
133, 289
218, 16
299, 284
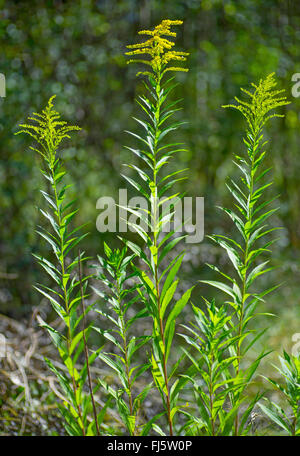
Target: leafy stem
65, 296
155, 234
125, 346
113, 274
160, 292
65, 278
86, 353
250, 221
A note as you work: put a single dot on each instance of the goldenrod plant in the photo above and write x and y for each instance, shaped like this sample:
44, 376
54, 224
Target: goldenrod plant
250, 219
211, 337
69, 285
140, 280
288, 388
159, 283
121, 297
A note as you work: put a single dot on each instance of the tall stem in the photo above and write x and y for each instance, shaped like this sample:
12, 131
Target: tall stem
64, 289
156, 276
125, 348
245, 268
211, 397
85, 345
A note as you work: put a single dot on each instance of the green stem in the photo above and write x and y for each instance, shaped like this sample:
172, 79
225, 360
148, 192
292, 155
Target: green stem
156, 278
65, 294
294, 422
245, 269
211, 397
125, 348
161, 328
85, 345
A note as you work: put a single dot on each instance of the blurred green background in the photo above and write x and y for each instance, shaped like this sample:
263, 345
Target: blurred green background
76, 51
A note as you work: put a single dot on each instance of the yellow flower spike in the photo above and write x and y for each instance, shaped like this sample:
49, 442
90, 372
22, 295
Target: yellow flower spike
159, 49
48, 131
262, 101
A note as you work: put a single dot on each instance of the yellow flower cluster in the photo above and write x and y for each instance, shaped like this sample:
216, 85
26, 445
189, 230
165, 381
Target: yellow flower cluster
159, 49
48, 131
262, 101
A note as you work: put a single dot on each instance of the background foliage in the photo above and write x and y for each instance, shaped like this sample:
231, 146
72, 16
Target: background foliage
76, 50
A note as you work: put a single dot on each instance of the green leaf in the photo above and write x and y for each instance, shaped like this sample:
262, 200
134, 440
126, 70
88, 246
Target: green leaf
170, 325
171, 275
148, 426
275, 417
167, 297
168, 247
56, 306
221, 286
